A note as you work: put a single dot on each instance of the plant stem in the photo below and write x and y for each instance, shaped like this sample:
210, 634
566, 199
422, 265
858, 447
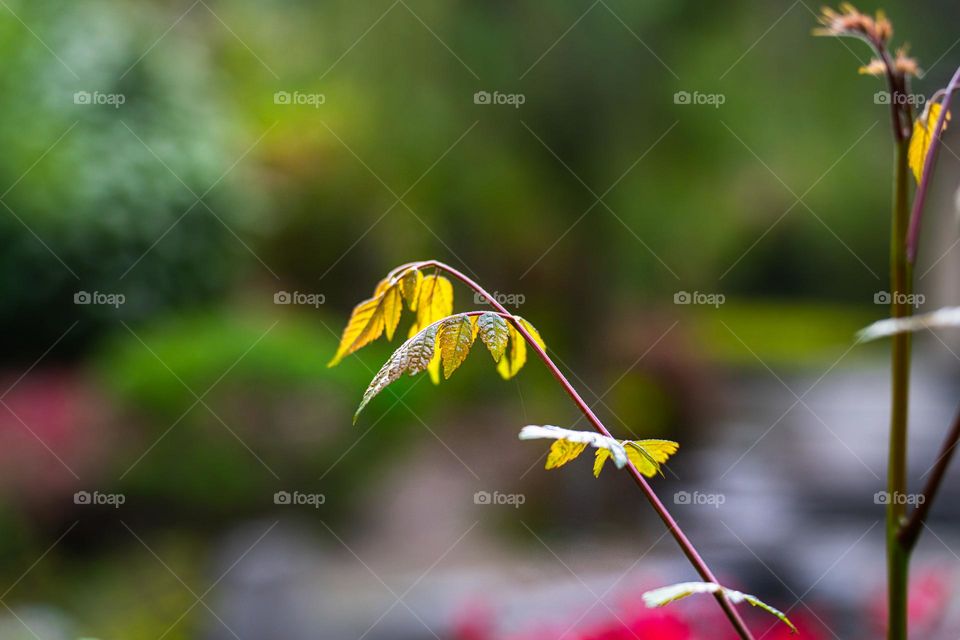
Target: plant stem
685, 545
898, 556
911, 530
913, 235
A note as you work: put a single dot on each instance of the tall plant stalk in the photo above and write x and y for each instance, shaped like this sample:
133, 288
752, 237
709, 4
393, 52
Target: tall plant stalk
896, 69
672, 526
901, 286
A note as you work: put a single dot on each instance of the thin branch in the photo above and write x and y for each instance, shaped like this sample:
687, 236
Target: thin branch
686, 546
916, 216
910, 531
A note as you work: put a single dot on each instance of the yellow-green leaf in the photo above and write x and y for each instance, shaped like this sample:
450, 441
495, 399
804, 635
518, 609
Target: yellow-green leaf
392, 308
456, 338
435, 300
372, 318
533, 333
410, 284
365, 325
434, 368
494, 332
923, 133
646, 455
563, 451
514, 359
412, 357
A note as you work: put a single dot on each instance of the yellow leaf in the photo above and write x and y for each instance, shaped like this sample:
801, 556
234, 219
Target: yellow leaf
533, 333
392, 307
435, 301
563, 451
923, 132
646, 455
599, 460
456, 338
365, 325
434, 368
512, 362
510, 365
381, 287
410, 284
371, 318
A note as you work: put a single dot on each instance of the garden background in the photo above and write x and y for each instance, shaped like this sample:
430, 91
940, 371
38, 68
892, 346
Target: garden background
688, 199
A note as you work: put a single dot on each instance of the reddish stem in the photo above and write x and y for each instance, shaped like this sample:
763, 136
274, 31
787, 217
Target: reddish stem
685, 545
911, 530
916, 216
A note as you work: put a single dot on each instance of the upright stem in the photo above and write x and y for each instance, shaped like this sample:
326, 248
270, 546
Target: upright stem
685, 545
901, 285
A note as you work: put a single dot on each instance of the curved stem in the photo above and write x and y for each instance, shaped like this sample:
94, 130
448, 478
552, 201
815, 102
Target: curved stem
913, 235
685, 545
911, 530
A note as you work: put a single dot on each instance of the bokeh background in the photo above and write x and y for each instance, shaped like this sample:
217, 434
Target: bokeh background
173, 172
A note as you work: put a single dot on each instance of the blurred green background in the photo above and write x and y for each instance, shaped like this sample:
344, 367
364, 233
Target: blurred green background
198, 158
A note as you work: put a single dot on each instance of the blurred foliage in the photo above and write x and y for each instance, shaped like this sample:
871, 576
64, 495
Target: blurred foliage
229, 407
104, 198
789, 334
397, 164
